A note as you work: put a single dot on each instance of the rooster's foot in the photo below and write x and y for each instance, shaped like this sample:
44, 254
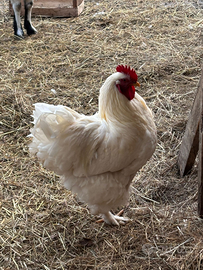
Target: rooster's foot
111, 219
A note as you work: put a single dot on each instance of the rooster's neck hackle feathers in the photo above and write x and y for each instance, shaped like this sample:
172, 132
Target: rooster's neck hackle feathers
112, 103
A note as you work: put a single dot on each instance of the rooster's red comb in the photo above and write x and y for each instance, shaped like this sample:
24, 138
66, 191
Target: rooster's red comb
127, 70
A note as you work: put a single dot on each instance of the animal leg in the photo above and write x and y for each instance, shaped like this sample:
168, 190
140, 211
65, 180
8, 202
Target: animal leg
27, 21
18, 31
111, 219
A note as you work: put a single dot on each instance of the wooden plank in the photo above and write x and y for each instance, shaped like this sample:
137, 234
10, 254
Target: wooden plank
200, 172
75, 3
190, 142
54, 8
200, 165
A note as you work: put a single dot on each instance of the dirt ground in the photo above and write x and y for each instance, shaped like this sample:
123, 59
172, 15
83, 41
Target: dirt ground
44, 226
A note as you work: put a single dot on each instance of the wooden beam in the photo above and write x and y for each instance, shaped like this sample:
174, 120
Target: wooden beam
200, 165
54, 8
190, 142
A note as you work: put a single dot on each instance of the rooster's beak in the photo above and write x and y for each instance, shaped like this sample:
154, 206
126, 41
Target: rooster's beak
136, 84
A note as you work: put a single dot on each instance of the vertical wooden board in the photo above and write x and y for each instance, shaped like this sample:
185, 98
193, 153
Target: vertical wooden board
200, 166
190, 142
200, 174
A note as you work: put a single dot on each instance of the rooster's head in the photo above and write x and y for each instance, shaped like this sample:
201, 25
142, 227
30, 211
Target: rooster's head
126, 85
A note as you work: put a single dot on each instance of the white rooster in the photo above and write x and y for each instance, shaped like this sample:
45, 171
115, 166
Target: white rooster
98, 156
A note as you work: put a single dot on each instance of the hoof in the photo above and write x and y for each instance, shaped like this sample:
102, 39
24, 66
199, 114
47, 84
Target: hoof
30, 29
19, 33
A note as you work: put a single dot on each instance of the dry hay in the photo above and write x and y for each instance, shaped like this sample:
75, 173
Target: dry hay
43, 226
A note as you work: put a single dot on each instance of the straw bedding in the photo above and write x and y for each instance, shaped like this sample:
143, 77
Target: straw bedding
44, 226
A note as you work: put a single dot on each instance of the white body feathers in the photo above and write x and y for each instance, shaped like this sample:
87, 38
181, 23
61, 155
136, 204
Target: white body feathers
97, 156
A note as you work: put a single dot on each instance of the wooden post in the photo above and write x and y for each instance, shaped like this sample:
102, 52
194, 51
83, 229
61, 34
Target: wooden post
190, 142
75, 4
200, 166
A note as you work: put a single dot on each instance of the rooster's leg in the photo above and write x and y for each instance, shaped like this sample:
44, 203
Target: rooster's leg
111, 219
